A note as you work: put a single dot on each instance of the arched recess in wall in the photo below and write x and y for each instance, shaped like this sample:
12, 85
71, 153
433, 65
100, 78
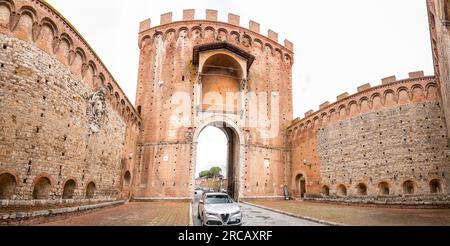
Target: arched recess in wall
435, 186
64, 49
222, 35
6, 8
221, 83
7, 186
69, 189
23, 28
361, 189
408, 187
326, 190
235, 37
258, 46
383, 188
42, 187
183, 34
90, 190
196, 34
246, 41
432, 91
78, 62
127, 178
300, 185
210, 33
342, 191
47, 35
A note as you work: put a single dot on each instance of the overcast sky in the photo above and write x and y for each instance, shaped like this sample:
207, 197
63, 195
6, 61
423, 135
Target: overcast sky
339, 45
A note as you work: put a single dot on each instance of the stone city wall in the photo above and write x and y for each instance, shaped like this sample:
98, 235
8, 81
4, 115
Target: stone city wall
67, 131
386, 141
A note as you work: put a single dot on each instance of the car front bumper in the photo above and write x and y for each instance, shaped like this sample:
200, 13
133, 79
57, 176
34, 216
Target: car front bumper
216, 220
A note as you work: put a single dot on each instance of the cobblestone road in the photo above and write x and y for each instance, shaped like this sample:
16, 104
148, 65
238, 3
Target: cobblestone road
254, 216
363, 216
133, 214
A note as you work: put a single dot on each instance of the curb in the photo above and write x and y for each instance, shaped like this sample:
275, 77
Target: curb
56, 211
324, 222
191, 220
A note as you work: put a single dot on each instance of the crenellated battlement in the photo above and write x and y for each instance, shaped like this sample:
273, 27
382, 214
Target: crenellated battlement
232, 25
391, 92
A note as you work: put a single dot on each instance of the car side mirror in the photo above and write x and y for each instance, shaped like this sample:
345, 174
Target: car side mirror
201, 202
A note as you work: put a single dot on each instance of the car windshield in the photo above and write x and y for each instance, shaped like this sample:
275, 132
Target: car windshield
218, 199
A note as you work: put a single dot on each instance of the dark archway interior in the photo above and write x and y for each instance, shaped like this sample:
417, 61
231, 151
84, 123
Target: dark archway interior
384, 188
342, 190
435, 186
362, 189
127, 178
7, 186
408, 187
301, 185
326, 190
90, 190
42, 189
69, 189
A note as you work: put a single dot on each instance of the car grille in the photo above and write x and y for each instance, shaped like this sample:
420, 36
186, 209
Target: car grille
225, 217
214, 223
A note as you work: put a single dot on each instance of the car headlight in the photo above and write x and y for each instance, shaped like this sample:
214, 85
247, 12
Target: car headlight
236, 213
210, 214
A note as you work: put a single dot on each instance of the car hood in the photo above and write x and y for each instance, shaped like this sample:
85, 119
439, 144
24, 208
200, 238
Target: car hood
226, 208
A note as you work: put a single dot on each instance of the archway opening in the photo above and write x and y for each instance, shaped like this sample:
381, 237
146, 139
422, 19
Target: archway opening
127, 178
326, 190
90, 190
435, 186
217, 160
300, 182
408, 187
342, 191
42, 189
361, 189
7, 186
383, 189
221, 78
69, 189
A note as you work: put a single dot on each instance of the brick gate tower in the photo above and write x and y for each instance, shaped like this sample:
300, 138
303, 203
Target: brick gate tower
199, 73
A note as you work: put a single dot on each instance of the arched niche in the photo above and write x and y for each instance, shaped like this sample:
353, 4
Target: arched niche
222, 70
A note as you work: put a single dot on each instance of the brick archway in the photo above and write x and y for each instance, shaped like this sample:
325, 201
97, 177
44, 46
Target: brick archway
300, 185
234, 157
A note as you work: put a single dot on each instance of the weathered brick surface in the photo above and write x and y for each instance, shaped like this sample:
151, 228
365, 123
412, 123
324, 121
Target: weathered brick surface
439, 20
166, 70
48, 79
388, 134
53, 129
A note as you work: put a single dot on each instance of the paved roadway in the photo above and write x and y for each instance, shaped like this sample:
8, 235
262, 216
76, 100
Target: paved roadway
254, 216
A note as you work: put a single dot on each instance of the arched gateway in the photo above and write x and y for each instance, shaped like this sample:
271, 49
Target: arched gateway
235, 149
196, 73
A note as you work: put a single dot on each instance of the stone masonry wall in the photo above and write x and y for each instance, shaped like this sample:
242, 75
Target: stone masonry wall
66, 128
385, 141
439, 21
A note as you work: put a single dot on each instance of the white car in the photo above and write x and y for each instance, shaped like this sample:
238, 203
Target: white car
218, 209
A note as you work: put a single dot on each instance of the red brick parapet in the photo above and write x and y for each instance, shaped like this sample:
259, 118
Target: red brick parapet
391, 93
211, 30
